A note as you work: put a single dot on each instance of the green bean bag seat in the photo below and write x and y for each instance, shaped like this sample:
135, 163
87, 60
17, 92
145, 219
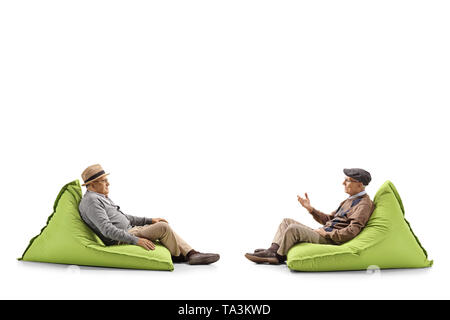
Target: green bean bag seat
387, 241
67, 239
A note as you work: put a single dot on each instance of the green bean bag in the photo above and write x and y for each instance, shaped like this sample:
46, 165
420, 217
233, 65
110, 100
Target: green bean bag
67, 239
387, 241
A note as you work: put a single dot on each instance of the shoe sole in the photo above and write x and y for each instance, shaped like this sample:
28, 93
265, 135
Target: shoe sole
207, 260
259, 260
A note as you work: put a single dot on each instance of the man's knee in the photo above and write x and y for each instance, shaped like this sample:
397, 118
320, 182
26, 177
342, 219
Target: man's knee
287, 221
293, 228
301, 233
162, 227
298, 232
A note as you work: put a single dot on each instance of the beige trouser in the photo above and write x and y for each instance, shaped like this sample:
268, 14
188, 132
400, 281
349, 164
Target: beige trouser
291, 232
163, 232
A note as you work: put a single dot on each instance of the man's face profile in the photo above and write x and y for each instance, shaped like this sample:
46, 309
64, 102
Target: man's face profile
352, 186
100, 186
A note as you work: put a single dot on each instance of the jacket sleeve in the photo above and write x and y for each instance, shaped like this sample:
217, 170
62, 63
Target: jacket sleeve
138, 221
96, 213
357, 221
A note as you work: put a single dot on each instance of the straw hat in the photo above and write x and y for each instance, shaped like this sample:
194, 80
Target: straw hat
93, 173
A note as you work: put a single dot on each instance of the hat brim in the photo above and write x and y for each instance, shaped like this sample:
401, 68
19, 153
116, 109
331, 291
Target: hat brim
99, 177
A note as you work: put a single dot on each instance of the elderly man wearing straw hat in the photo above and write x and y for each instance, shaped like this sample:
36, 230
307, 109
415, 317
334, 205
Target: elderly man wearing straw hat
113, 226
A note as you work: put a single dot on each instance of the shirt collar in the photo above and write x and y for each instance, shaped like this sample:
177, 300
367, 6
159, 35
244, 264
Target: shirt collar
357, 195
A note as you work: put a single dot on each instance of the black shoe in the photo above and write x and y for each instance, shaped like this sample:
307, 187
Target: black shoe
179, 259
202, 258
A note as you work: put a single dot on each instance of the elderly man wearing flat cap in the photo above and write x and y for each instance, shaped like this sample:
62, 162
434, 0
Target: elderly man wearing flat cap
340, 226
114, 227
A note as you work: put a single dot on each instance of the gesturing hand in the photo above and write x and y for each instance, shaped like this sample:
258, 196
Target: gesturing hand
146, 244
305, 202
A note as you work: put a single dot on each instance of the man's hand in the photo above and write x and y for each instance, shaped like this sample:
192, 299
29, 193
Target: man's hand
155, 220
322, 232
305, 202
146, 244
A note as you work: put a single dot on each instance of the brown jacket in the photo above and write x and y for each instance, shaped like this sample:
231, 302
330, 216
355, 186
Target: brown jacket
347, 221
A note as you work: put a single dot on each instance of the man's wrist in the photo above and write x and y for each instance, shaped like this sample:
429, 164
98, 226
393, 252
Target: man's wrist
135, 240
310, 210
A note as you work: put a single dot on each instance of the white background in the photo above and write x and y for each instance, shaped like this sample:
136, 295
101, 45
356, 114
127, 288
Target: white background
215, 115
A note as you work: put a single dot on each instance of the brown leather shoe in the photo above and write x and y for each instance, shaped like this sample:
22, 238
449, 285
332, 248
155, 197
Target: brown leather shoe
264, 256
203, 258
259, 250
274, 248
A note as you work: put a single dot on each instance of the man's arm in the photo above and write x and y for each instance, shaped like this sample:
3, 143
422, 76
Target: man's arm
321, 217
358, 220
96, 213
142, 221
138, 221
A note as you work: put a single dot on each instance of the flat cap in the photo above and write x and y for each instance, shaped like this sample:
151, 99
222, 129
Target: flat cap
359, 175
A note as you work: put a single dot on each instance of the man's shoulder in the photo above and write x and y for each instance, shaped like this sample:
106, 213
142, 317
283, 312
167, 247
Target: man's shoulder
90, 196
363, 200
366, 200
367, 203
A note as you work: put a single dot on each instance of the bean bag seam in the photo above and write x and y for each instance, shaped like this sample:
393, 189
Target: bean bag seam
394, 190
93, 247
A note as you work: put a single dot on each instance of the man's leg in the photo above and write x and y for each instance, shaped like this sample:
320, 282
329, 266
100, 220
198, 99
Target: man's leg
297, 233
163, 232
270, 255
289, 233
284, 225
184, 247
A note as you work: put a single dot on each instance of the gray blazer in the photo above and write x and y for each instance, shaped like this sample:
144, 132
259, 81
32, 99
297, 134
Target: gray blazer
106, 219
